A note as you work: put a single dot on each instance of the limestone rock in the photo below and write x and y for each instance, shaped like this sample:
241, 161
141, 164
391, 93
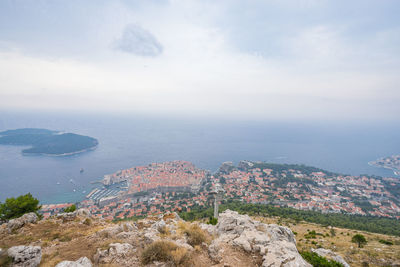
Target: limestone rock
17, 223
330, 254
275, 243
280, 233
84, 213
160, 225
242, 242
116, 253
283, 253
119, 249
115, 230
81, 262
66, 216
25, 256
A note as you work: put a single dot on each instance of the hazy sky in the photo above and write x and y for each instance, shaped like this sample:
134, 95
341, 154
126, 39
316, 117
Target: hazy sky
292, 59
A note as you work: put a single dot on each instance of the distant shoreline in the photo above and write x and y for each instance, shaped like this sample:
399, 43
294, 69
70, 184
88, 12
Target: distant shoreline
394, 170
61, 155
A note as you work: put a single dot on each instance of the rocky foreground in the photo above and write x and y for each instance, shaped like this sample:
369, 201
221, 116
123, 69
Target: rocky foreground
75, 240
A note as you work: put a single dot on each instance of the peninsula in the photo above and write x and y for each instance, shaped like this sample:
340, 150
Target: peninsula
48, 142
392, 163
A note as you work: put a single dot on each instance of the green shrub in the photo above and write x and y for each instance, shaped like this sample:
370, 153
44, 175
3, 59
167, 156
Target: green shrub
212, 221
317, 261
16, 207
386, 242
71, 208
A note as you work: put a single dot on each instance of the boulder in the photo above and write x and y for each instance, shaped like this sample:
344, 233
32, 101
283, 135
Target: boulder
275, 243
119, 249
81, 262
116, 252
25, 256
330, 255
242, 242
83, 213
280, 233
17, 223
283, 253
66, 216
115, 230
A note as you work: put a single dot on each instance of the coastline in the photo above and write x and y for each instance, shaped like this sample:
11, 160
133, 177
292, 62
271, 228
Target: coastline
61, 155
394, 170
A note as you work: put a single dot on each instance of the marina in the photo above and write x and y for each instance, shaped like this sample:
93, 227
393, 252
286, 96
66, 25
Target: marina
107, 191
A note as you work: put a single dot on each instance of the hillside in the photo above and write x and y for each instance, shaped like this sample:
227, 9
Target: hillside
237, 240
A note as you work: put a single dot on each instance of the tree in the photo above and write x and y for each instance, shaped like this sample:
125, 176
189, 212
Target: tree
16, 207
359, 239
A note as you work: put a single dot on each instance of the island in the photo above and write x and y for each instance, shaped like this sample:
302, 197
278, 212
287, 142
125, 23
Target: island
391, 163
48, 142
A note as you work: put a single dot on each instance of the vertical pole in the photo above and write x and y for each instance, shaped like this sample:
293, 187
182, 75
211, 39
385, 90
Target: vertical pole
216, 206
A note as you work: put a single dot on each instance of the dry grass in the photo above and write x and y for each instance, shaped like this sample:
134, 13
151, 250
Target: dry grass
59, 241
165, 251
195, 235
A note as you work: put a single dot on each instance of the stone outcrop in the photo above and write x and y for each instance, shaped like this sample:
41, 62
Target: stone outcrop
25, 256
116, 253
275, 243
70, 216
81, 262
120, 231
327, 253
17, 223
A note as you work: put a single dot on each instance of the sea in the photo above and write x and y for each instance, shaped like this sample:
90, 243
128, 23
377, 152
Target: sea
128, 140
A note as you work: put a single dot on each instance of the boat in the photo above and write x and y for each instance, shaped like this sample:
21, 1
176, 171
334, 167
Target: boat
58, 183
82, 170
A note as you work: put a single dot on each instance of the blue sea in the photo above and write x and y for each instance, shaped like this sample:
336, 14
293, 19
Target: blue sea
132, 140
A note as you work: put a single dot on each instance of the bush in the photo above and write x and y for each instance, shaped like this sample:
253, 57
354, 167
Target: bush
386, 242
71, 208
165, 251
195, 235
212, 221
317, 261
87, 221
16, 207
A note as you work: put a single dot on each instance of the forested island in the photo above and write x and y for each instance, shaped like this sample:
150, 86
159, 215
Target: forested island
48, 142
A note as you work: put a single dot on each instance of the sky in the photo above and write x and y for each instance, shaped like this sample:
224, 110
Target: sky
280, 59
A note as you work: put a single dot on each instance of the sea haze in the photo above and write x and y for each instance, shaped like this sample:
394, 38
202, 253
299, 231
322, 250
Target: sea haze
127, 141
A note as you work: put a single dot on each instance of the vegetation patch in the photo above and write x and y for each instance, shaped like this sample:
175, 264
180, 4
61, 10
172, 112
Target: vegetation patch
71, 208
386, 242
317, 261
372, 224
165, 251
16, 207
